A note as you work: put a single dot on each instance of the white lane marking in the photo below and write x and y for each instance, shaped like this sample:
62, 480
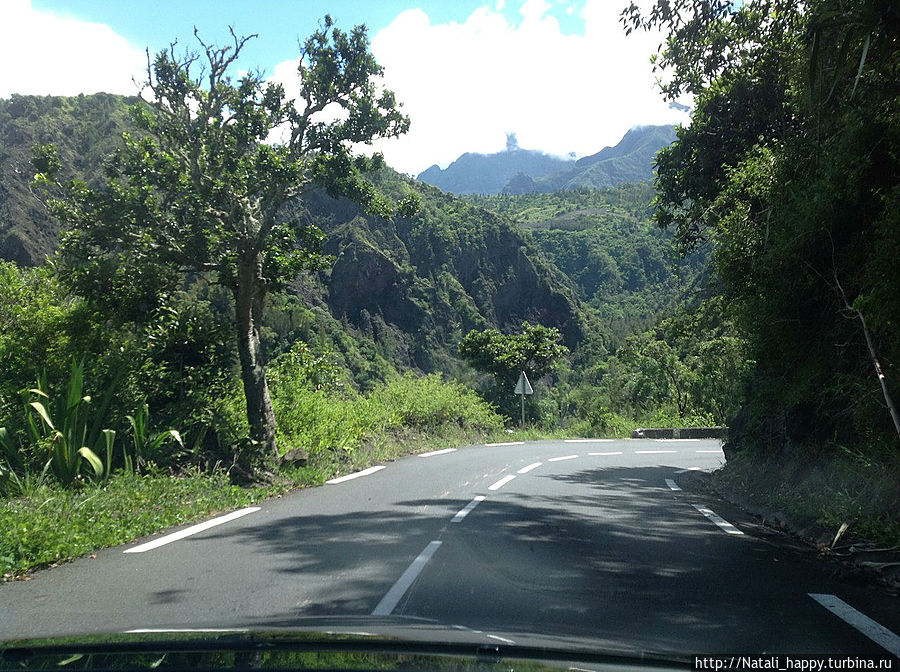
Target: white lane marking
718, 520
503, 481
437, 452
350, 477
193, 529
871, 629
525, 470
467, 509
398, 590
163, 630
501, 639
654, 452
564, 457
673, 486
612, 452
508, 443
588, 440
684, 471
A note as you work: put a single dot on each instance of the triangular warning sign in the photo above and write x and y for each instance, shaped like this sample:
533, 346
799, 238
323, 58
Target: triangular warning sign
523, 386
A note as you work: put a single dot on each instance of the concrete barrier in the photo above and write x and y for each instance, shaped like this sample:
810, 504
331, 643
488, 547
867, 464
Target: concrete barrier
680, 433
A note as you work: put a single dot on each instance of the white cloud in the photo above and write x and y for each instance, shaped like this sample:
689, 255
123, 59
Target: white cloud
465, 85
43, 53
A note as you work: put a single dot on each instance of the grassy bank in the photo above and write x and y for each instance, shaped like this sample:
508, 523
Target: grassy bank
44, 523
815, 492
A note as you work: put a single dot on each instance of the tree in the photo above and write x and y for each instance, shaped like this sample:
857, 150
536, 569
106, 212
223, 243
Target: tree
536, 351
203, 188
790, 168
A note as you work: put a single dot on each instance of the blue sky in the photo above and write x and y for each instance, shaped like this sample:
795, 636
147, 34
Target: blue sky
559, 73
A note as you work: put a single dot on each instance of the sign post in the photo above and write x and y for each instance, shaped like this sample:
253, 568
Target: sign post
523, 387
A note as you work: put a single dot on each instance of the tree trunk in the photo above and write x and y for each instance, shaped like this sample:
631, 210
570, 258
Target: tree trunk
249, 298
888, 400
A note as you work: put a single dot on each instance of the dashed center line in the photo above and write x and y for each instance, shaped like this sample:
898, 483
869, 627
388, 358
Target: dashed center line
525, 470
398, 590
564, 457
350, 477
465, 511
684, 471
654, 452
672, 485
718, 520
437, 452
611, 452
503, 481
871, 629
188, 531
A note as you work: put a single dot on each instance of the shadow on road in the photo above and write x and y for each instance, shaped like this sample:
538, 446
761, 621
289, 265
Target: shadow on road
608, 554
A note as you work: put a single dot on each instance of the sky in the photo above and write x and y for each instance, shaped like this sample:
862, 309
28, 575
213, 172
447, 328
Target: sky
560, 74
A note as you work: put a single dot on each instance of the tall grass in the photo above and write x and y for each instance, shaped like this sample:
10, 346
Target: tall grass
333, 425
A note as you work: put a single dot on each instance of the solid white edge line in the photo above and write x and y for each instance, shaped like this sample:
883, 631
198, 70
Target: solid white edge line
398, 590
564, 457
503, 481
871, 629
673, 486
718, 520
588, 440
357, 474
437, 452
193, 529
508, 443
525, 470
467, 509
654, 452
612, 452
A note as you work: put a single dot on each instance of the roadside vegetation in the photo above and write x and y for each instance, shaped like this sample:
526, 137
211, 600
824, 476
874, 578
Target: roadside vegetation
166, 364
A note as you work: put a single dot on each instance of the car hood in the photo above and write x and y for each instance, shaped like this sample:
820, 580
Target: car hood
390, 644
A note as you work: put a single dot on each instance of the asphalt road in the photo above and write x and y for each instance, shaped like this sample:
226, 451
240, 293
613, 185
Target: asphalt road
599, 544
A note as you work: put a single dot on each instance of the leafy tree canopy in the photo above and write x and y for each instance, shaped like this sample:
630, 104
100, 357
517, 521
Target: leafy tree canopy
536, 351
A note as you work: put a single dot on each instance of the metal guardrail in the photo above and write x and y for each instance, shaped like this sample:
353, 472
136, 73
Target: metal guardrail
680, 433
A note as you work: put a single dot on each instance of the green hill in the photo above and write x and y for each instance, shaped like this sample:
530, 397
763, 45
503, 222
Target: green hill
413, 287
85, 128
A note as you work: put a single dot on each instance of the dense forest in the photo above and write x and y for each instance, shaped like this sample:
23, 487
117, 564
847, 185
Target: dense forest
273, 315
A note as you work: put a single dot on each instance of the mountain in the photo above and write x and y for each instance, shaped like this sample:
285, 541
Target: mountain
84, 128
629, 161
519, 171
489, 173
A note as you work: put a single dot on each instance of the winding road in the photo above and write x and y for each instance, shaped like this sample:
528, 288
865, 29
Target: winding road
601, 544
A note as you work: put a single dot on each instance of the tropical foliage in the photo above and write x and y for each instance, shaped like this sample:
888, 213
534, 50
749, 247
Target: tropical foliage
790, 170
